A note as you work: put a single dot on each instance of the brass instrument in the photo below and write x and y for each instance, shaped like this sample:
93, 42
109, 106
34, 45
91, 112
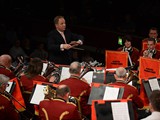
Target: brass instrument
52, 73
87, 68
50, 93
148, 53
20, 68
133, 76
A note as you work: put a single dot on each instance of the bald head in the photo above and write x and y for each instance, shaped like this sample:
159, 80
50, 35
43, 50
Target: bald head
6, 60
121, 72
75, 68
62, 90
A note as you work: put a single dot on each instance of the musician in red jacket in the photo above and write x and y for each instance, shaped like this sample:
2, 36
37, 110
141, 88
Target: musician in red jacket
5, 65
133, 52
79, 88
130, 92
59, 108
33, 73
151, 51
7, 110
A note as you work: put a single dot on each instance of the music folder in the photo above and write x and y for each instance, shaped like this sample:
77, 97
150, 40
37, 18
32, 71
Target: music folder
120, 109
149, 87
11, 87
38, 92
104, 92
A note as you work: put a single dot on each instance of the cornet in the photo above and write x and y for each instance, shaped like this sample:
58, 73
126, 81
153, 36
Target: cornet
148, 53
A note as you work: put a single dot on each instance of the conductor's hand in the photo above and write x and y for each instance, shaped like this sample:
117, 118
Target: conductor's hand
67, 46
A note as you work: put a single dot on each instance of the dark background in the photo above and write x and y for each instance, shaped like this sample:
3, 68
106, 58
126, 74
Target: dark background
100, 21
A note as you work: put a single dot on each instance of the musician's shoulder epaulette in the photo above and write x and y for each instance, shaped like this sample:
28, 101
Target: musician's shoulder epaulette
6, 97
71, 103
1, 66
46, 100
132, 86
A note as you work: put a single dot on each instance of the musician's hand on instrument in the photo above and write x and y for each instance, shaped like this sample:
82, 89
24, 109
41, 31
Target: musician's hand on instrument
145, 53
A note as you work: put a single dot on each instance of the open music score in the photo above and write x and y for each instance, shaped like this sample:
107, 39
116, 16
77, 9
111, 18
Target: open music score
150, 85
121, 109
154, 84
105, 92
91, 76
37, 94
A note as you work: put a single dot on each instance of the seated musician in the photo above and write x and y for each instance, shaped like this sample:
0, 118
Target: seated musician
32, 73
130, 92
7, 110
5, 65
153, 33
79, 88
133, 52
59, 108
151, 51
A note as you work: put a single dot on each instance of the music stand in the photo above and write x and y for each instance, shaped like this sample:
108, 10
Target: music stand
147, 86
98, 91
104, 109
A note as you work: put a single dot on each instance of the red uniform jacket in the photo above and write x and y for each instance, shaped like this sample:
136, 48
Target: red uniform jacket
7, 72
27, 84
81, 90
7, 110
130, 92
58, 109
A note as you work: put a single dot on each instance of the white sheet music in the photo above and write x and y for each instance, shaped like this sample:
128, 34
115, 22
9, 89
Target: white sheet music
111, 93
44, 68
120, 111
38, 94
8, 89
65, 73
154, 84
88, 76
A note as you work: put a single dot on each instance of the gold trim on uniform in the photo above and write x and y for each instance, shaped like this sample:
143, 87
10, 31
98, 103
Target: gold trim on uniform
63, 114
45, 112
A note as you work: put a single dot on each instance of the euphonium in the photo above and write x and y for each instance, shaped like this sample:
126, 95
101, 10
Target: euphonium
52, 73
